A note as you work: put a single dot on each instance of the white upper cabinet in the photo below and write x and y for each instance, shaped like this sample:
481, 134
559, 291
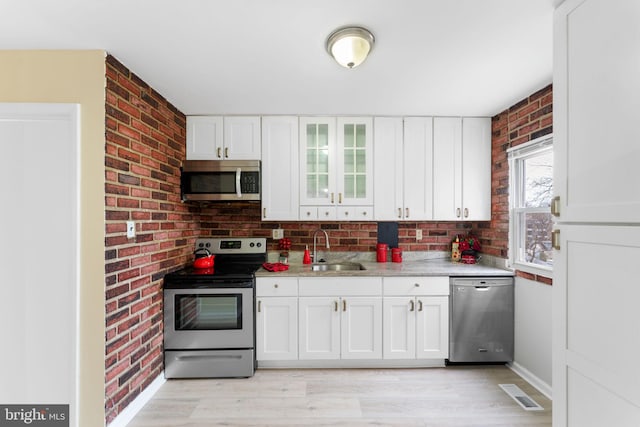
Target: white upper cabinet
223, 138
336, 167
462, 168
204, 137
280, 170
596, 99
403, 166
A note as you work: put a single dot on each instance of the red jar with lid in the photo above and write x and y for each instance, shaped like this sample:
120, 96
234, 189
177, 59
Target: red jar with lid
396, 255
381, 252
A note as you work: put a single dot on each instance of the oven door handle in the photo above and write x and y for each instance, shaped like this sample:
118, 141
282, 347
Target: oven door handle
238, 189
186, 358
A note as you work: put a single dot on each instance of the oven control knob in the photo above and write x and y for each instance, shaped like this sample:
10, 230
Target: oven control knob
208, 245
259, 244
251, 244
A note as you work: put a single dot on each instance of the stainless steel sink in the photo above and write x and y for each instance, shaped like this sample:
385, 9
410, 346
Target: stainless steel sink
337, 266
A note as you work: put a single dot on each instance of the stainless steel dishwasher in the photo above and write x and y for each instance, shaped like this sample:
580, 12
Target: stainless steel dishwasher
481, 319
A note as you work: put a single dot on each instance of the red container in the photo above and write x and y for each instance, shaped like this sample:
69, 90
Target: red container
381, 252
396, 255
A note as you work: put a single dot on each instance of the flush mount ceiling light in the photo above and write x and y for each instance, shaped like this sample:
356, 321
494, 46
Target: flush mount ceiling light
350, 46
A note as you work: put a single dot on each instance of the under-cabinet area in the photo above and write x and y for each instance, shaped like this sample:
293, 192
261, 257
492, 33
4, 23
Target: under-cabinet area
352, 321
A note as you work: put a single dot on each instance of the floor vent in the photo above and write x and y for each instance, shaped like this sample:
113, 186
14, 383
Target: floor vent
527, 403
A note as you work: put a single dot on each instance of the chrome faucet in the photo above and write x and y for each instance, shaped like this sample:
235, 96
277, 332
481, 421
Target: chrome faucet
326, 241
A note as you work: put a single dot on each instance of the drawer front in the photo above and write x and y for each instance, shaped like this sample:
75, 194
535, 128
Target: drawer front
337, 286
416, 285
277, 286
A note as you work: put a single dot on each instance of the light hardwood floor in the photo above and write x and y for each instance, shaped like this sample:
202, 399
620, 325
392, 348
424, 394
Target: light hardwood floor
434, 397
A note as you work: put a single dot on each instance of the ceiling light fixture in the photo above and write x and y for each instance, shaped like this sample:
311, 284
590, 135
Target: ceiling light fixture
350, 46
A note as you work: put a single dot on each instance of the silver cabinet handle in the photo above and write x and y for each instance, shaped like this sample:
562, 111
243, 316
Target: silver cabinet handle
417, 285
226, 152
264, 212
259, 306
339, 197
406, 210
364, 213
335, 306
275, 285
399, 212
555, 206
412, 305
457, 212
419, 305
344, 305
466, 213
555, 239
331, 197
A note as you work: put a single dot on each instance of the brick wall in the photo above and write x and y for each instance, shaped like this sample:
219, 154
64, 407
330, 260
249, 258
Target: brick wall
145, 145
527, 120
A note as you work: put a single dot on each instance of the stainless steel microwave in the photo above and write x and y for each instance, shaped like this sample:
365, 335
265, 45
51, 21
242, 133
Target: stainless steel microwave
220, 180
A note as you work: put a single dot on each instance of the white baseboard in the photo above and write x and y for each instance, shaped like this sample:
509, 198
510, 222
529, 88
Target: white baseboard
136, 405
536, 382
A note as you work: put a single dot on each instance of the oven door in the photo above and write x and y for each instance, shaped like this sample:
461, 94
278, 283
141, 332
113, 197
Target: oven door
213, 318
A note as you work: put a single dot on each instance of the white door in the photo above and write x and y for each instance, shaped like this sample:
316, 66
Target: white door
39, 291
277, 328
388, 167
242, 137
476, 169
319, 328
432, 314
204, 138
399, 328
280, 168
418, 168
447, 163
361, 326
595, 323
596, 87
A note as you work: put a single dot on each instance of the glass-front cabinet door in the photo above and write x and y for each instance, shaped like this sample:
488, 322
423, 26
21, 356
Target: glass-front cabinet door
317, 166
336, 163
355, 161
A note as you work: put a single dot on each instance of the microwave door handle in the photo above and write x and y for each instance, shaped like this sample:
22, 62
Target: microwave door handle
238, 189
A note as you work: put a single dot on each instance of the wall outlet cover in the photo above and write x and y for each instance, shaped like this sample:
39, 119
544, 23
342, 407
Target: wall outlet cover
277, 233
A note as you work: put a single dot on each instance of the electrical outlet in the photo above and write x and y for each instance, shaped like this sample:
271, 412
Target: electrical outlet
277, 233
131, 229
418, 235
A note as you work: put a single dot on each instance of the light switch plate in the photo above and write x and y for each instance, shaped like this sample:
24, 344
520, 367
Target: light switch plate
418, 235
277, 233
131, 229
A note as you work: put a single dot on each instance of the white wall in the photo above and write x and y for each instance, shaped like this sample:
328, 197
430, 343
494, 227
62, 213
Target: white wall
532, 353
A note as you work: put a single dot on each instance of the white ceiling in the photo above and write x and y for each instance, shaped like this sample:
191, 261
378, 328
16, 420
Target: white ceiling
431, 57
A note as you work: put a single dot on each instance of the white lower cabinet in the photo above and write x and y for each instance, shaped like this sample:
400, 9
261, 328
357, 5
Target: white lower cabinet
340, 319
277, 319
416, 324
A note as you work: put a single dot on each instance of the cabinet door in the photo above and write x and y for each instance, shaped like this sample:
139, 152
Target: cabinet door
317, 161
277, 328
418, 168
354, 162
596, 87
204, 138
432, 327
319, 328
447, 164
399, 328
361, 328
242, 138
388, 166
280, 168
476, 169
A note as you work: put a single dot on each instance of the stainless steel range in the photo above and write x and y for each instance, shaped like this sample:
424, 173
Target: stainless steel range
209, 322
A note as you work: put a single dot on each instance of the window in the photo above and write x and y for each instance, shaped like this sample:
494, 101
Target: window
531, 191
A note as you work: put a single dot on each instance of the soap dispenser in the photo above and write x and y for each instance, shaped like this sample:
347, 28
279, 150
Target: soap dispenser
306, 258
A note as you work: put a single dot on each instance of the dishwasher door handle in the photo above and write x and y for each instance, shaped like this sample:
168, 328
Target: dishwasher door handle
482, 288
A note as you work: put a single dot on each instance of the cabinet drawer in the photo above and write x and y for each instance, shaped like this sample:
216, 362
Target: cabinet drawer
337, 286
416, 285
276, 286
312, 213
355, 213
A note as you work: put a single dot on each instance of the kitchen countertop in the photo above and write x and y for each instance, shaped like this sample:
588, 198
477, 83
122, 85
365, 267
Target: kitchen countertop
411, 267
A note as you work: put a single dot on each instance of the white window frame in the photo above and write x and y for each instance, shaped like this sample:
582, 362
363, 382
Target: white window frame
517, 155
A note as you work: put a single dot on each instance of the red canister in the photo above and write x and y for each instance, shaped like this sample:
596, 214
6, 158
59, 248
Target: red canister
381, 252
396, 255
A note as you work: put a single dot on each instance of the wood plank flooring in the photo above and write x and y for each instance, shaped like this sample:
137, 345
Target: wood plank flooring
434, 397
